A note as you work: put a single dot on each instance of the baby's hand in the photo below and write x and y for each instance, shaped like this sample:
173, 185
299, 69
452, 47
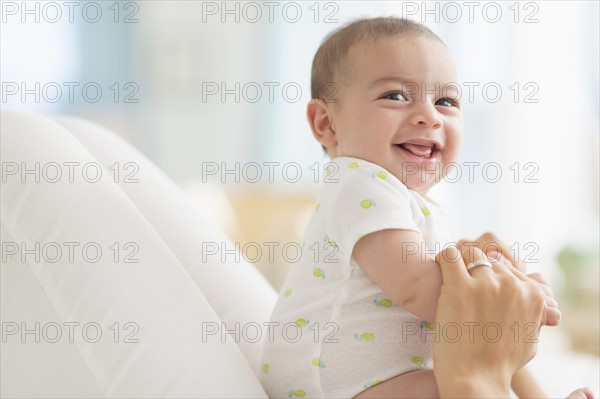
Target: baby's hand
581, 393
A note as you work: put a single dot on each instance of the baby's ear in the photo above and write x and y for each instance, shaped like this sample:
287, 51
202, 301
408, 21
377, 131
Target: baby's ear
319, 116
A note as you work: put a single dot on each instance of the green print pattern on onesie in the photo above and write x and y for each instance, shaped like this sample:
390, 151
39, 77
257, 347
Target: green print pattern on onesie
427, 325
381, 174
383, 302
330, 242
318, 272
297, 393
365, 337
367, 203
418, 361
301, 322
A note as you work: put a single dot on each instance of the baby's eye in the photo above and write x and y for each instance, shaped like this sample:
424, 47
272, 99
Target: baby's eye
447, 102
396, 96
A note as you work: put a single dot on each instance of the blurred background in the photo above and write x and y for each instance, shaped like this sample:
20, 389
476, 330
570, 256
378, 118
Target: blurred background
214, 92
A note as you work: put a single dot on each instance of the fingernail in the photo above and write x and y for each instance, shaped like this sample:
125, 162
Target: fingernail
493, 256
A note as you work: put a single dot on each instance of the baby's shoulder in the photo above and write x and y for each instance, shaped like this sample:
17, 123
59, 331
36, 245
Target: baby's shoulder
346, 172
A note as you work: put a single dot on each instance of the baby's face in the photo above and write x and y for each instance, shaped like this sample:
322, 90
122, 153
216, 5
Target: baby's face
398, 111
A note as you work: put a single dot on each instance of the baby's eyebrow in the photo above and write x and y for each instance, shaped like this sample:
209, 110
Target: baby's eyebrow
447, 88
391, 79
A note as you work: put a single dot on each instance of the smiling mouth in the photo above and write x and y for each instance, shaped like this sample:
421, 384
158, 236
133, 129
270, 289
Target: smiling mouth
423, 151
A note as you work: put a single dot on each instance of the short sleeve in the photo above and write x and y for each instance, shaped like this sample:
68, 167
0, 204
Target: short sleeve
363, 198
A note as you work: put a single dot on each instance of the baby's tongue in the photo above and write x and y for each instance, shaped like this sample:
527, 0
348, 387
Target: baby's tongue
418, 150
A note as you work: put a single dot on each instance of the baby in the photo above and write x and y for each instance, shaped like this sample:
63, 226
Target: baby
357, 310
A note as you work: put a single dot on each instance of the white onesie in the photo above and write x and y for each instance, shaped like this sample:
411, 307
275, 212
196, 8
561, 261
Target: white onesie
334, 333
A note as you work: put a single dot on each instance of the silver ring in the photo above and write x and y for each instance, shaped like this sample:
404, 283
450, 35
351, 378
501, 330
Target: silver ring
477, 263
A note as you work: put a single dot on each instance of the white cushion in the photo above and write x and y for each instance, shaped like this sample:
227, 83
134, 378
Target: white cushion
30, 368
157, 294
235, 289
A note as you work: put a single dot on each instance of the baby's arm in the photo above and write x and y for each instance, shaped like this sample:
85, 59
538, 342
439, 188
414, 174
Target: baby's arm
410, 281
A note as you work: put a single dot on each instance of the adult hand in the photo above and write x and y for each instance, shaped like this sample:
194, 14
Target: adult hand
497, 251
488, 242
492, 307
552, 314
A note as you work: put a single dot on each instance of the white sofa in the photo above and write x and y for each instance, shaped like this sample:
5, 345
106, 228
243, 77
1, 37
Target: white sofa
174, 303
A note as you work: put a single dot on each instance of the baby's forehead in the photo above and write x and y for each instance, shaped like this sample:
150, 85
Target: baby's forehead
389, 47
399, 42
405, 56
